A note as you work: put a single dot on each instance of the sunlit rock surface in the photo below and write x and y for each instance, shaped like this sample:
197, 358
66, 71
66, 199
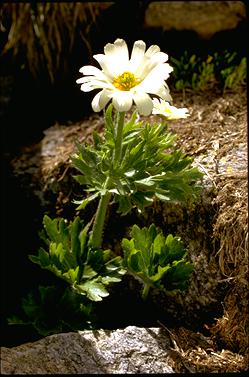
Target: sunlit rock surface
129, 350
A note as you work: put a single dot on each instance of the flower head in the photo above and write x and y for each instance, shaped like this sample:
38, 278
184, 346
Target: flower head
124, 80
166, 110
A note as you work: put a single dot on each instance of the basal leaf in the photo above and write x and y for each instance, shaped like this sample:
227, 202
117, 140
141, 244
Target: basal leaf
51, 227
177, 277
75, 228
133, 261
93, 289
160, 273
83, 238
110, 279
71, 275
155, 260
158, 243
88, 273
42, 259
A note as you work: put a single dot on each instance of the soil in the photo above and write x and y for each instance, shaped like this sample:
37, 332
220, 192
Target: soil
211, 333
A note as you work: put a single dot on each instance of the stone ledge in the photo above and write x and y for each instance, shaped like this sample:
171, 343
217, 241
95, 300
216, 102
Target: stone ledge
129, 350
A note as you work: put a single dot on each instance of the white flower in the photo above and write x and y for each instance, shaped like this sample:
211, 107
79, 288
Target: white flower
125, 80
166, 110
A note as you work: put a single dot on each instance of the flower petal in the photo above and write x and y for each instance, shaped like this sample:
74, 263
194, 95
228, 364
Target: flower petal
137, 55
94, 84
106, 65
91, 70
154, 85
170, 112
117, 50
122, 100
152, 50
100, 100
144, 103
115, 60
159, 57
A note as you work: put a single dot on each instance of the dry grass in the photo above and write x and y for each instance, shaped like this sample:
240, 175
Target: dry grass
192, 352
231, 228
231, 225
223, 126
43, 32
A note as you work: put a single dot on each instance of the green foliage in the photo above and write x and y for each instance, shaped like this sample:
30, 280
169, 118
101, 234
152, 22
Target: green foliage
156, 260
192, 72
149, 167
70, 258
197, 73
230, 71
55, 309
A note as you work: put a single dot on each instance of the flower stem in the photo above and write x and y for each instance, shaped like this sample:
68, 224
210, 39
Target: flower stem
145, 291
99, 222
119, 138
98, 225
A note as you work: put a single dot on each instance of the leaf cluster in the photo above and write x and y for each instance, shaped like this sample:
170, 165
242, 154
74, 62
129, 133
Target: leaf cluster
70, 258
149, 166
54, 309
156, 260
192, 71
229, 69
197, 72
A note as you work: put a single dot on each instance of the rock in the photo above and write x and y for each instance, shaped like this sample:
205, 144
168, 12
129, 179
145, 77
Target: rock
204, 17
129, 350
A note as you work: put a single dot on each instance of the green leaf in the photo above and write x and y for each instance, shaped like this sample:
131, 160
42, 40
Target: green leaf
89, 273
108, 118
71, 275
84, 202
15, 320
75, 229
160, 273
142, 199
178, 275
158, 244
110, 279
96, 139
51, 227
81, 166
134, 261
83, 238
94, 290
155, 260
124, 204
42, 259
29, 306
81, 179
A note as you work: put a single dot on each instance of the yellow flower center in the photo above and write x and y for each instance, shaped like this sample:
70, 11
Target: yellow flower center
126, 81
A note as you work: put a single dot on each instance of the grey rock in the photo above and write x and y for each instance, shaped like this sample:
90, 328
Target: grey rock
130, 350
204, 17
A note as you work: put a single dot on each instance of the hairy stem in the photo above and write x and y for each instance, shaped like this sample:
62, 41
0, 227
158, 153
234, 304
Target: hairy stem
99, 222
145, 292
119, 138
